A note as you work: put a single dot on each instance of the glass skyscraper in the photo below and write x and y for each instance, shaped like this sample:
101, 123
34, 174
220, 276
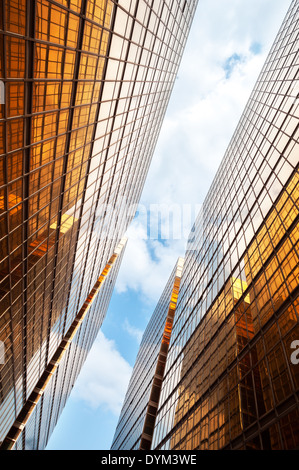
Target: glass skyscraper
144, 389
230, 381
86, 84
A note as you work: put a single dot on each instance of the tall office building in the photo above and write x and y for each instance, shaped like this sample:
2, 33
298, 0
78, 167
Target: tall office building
86, 83
142, 398
231, 379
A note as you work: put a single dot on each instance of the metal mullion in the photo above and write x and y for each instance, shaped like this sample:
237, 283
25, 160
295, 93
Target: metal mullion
82, 204
251, 343
83, 15
50, 206
115, 115
50, 411
65, 163
89, 160
270, 321
149, 94
57, 359
51, 111
29, 65
248, 215
130, 99
154, 336
107, 150
2, 6
76, 363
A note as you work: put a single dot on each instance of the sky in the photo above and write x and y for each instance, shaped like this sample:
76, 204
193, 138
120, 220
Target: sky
226, 49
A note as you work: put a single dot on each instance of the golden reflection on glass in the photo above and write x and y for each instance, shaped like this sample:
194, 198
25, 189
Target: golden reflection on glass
61, 123
258, 378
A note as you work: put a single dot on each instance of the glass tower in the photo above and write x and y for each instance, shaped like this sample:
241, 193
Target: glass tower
230, 381
135, 426
84, 89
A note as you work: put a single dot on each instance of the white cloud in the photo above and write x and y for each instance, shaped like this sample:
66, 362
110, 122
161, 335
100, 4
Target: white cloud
206, 106
136, 333
104, 379
147, 264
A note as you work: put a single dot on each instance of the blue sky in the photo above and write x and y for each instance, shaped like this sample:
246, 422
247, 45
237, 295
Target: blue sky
226, 49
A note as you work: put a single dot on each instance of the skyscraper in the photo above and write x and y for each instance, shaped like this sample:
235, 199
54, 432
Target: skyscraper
230, 379
144, 388
86, 83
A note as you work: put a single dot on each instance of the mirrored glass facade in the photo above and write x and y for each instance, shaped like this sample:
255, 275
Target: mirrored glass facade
40, 414
86, 85
230, 381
